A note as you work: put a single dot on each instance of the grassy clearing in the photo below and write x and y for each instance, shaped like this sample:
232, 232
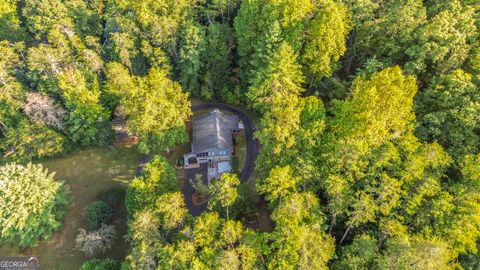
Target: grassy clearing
87, 173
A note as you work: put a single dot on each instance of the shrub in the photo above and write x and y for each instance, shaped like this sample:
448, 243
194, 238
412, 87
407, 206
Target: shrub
95, 242
32, 204
113, 196
107, 264
98, 213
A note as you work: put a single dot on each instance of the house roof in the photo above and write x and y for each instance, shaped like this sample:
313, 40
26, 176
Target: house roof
213, 131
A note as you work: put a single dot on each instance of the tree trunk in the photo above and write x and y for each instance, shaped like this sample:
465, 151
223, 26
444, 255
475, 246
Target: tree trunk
227, 212
344, 235
334, 218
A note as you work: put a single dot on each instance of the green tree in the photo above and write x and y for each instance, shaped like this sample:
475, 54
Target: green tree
192, 46
217, 59
156, 105
281, 77
97, 264
157, 178
32, 204
98, 213
223, 191
448, 111
326, 42
299, 241
26, 141
43, 16
171, 207
379, 109
145, 238
278, 184
389, 32
443, 44
10, 26
415, 253
87, 119
360, 255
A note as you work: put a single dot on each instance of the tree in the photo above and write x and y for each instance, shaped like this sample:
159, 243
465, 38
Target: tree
156, 105
27, 142
361, 254
389, 32
98, 213
379, 109
87, 117
157, 178
206, 229
218, 59
97, 264
95, 242
278, 184
32, 204
145, 237
171, 207
415, 253
43, 16
10, 26
299, 240
326, 42
261, 26
448, 111
201, 189
282, 77
223, 191
42, 109
442, 45
192, 46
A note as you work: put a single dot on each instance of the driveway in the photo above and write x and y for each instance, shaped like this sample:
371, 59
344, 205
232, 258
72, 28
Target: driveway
188, 190
251, 155
252, 146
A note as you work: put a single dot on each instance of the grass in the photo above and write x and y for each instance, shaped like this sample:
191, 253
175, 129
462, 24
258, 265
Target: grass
87, 173
238, 160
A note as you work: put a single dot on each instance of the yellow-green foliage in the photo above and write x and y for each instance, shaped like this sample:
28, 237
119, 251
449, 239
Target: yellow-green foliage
32, 204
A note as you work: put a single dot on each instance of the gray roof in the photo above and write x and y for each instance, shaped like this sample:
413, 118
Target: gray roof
213, 131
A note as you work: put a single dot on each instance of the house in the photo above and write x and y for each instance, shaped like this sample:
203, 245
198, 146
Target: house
212, 142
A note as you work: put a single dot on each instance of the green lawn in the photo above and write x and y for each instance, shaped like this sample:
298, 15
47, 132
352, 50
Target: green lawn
238, 160
86, 173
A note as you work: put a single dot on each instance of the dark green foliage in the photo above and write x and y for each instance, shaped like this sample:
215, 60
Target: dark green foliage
98, 213
113, 196
448, 112
96, 264
246, 202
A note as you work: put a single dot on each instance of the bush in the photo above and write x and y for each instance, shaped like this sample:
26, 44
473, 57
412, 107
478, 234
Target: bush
107, 264
32, 204
95, 242
98, 213
113, 196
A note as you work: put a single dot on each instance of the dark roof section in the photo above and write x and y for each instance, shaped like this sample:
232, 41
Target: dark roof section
213, 131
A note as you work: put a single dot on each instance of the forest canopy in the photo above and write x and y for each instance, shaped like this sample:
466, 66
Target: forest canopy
369, 123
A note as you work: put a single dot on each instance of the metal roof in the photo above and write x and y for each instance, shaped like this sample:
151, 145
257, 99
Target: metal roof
213, 131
